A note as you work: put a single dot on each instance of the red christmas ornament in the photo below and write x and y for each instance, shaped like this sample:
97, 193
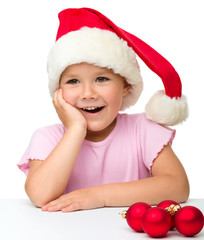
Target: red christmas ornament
134, 215
156, 222
171, 207
166, 203
189, 221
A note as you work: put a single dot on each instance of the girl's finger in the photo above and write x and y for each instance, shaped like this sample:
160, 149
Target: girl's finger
55, 97
71, 207
60, 98
50, 204
55, 206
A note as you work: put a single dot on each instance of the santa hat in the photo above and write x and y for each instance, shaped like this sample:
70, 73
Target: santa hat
86, 35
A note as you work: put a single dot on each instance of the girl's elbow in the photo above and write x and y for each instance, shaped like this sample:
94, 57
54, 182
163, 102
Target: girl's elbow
183, 190
186, 191
36, 198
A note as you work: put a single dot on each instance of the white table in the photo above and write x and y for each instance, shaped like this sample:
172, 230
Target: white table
19, 219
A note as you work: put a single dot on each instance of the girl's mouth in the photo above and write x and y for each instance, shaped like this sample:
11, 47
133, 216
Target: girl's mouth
92, 109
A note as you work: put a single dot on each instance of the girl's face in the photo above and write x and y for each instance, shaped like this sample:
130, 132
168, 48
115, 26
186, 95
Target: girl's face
97, 93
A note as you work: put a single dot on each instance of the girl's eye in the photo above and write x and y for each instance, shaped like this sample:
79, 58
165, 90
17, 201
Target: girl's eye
72, 81
102, 79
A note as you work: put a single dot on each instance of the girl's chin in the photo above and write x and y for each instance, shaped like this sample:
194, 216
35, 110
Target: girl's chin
95, 129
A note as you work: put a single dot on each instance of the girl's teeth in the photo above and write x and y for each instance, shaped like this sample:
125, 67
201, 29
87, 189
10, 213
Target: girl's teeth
90, 108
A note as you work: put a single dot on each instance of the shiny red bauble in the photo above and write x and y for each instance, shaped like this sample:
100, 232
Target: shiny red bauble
134, 215
165, 204
189, 221
156, 222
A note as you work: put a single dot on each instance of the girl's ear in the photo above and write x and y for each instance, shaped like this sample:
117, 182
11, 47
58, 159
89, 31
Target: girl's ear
126, 89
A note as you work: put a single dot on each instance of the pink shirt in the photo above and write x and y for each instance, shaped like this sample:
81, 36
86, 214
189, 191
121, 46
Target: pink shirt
127, 154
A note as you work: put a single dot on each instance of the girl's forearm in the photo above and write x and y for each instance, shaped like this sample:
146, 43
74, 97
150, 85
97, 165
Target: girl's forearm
48, 181
150, 190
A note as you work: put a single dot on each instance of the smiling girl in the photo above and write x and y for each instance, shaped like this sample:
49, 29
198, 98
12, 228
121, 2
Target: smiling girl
99, 157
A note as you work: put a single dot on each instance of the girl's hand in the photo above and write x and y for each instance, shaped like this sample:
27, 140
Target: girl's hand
69, 115
85, 198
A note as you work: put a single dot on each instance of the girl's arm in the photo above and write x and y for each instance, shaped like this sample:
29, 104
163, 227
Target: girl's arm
169, 181
47, 179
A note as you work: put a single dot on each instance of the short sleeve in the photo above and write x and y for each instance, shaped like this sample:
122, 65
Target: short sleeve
42, 142
154, 137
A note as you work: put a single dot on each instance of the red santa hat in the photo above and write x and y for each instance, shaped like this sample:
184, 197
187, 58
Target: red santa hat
86, 35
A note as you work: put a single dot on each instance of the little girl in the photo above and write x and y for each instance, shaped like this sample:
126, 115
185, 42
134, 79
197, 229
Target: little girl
98, 157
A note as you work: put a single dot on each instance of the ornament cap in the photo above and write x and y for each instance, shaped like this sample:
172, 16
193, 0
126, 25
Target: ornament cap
173, 209
123, 214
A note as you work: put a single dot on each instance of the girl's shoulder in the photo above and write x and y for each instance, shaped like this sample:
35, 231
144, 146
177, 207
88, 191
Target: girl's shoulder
42, 142
140, 123
55, 130
134, 119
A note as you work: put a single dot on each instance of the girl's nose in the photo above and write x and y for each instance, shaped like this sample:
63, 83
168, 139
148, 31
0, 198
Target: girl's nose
88, 92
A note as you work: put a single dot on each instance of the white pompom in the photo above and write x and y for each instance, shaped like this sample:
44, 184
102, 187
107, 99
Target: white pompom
165, 110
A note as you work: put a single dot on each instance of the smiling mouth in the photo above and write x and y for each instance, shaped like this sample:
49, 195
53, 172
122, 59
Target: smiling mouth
92, 109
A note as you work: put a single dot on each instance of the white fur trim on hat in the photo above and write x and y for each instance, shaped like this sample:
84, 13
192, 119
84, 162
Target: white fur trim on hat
165, 110
102, 48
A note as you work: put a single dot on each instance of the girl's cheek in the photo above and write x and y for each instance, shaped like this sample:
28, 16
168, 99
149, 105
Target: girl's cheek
69, 97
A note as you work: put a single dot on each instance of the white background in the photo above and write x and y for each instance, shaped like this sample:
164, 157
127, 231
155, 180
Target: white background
27, 32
